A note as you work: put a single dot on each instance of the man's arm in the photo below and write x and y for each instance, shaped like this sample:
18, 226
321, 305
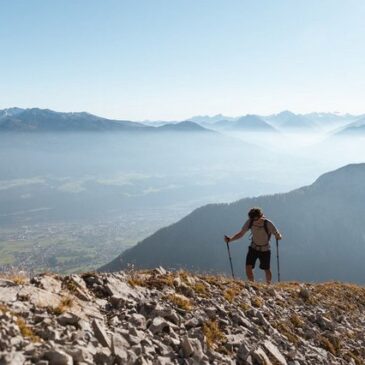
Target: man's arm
273, 230
239, 234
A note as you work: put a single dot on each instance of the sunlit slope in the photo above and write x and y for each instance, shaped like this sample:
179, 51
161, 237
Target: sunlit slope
323, 227
176, 318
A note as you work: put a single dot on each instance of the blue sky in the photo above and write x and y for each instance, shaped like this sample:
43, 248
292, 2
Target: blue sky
171, 59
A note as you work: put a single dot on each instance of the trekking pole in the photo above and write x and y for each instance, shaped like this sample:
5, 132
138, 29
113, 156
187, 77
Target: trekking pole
277, 259
230, 259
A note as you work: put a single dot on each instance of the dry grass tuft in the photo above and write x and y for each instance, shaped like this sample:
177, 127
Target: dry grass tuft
291, 285
18, 277
4, 308
257, 302
180, 301
26, 331
65, 304
71, 286
348, 298
218, 281
230, 294
245, 306
296, 320
326, 344
184, 276
200, 289
350, 355
136, 281
286, 330
212, 333
152, 281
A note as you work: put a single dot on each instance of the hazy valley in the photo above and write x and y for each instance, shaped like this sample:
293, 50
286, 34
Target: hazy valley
72, 199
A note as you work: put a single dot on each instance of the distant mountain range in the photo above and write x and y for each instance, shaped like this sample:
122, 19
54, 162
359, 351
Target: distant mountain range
35, 119
41, 120
331, 118
322, 224
206, 119
287, 120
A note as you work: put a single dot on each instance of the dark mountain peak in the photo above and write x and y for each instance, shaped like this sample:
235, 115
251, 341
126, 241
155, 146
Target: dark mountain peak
186, 125
252, 122
286, 113
346, 176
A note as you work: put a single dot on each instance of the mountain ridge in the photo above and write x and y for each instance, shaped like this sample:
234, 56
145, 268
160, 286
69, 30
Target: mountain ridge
35, 119
286, 120
44, 120
355, 128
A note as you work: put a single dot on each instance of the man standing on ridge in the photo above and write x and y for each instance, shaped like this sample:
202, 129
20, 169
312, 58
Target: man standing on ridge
261, 231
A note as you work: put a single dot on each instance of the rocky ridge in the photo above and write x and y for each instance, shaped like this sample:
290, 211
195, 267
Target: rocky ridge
158, 317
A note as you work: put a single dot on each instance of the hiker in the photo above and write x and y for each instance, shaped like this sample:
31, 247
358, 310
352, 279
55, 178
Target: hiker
261, 231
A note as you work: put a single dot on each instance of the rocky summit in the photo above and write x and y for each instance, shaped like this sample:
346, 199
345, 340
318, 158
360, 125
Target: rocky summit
158, 317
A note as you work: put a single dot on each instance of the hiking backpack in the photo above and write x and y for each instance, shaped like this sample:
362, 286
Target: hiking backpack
265, 227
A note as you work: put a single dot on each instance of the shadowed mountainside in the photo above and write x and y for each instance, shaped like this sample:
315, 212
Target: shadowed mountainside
322, 224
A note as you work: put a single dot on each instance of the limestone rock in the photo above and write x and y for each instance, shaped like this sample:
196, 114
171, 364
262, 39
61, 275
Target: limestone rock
8, 294
274, 352
100, 333
260, 357
158, 325
4, 283
58, 357
12, 358
150, 324
48, 282
68, 319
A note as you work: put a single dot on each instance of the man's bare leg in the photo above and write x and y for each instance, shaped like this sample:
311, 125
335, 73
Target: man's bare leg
249, 273
268, 276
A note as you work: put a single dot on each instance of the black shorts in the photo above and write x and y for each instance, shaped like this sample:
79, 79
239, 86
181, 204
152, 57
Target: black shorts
263, 256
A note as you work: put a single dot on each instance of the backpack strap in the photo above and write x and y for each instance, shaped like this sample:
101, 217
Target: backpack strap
250, 227
267, 229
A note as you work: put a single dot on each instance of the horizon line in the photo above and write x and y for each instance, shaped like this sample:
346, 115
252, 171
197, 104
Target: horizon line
157, 120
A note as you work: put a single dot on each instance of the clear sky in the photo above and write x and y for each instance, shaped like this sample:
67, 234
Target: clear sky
171, 59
